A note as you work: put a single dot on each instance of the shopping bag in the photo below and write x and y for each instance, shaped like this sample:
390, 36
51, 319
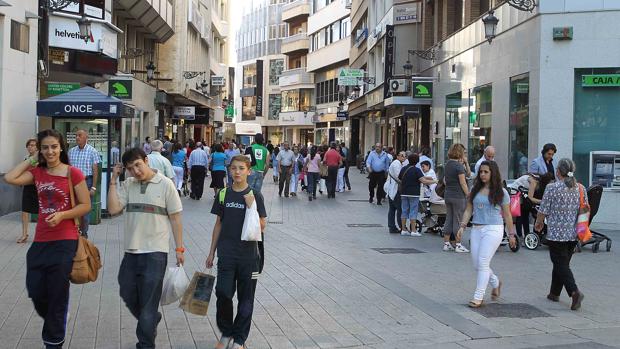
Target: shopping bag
198, 294
251, 230
583, 218
515, 204
175, 284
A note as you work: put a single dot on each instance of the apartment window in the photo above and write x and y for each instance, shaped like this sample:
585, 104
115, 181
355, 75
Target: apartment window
335, 32
276, 66
273, 31
283, 30
273, 2
20, 36
345, 27
290, 101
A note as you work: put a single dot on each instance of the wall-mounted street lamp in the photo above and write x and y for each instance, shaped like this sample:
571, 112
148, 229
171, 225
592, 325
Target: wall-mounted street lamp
85, 27
203, 87
428, 55
490, 25
150, 71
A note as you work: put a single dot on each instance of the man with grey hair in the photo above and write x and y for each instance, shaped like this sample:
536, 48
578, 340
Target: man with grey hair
378, 164
489, 155
158, 162
286, 160
85, 157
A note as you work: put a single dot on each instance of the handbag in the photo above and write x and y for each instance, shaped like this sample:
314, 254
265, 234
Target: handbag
583, 218
515, 204
87, 260
440, 189
322, 169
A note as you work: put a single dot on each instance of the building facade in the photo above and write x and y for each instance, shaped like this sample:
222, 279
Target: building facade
18, 89
536, 82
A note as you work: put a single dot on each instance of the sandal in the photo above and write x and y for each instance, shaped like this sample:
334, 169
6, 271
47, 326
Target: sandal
22, 239
496, 292
475, 304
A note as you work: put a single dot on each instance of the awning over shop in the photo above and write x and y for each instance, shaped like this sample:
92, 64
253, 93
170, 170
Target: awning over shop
247, 129
85, 102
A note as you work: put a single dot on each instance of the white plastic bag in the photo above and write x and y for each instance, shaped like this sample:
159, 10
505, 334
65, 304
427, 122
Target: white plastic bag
175, 284
251, 224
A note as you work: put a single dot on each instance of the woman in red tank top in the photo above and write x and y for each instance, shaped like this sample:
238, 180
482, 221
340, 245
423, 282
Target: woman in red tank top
50, 258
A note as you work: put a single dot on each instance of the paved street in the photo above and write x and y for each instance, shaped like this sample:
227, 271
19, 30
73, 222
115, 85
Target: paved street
325, 286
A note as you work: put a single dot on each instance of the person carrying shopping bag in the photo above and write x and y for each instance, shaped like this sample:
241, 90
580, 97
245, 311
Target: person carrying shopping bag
238, 260
488, 202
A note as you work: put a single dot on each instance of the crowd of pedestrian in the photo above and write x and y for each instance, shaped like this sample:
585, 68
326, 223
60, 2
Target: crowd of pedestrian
59, 184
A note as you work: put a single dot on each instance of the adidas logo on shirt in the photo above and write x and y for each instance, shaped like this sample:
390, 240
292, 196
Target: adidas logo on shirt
235, 205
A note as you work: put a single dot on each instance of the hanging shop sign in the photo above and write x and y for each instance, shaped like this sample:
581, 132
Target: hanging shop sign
600, 80
58, 88
121, 89
65, 33
218, 81
389, 59
407, 13
259, 87
184, 112
350, 77
422, 89
342, 115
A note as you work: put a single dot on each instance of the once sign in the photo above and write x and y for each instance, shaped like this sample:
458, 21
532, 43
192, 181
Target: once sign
78, 108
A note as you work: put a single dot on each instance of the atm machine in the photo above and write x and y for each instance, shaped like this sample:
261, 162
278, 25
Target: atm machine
605, 169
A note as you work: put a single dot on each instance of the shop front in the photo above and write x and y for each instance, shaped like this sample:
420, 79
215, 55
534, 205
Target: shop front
332, 128
108, 122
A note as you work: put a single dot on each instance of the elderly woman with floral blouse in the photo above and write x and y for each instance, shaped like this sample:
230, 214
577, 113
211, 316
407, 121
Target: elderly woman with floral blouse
560, 207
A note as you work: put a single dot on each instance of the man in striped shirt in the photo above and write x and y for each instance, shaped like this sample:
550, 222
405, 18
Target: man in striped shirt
85, 157
198, 164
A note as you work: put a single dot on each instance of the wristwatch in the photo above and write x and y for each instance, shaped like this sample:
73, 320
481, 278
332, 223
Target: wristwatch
180, 249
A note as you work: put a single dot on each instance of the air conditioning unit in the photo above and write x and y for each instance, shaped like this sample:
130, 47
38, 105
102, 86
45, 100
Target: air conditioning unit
399, 85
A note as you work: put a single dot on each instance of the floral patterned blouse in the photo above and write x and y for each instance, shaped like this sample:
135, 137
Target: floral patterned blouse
561, 206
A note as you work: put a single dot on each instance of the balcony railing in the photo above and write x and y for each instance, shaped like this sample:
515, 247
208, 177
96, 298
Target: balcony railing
295, 43
297, 76
295, 9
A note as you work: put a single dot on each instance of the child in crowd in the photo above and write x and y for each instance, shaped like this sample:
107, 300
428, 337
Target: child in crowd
238, 261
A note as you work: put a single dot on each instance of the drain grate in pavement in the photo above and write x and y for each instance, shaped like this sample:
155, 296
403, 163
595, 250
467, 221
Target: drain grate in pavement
275, 222
361, 225
358, 200
510, 310
387, 250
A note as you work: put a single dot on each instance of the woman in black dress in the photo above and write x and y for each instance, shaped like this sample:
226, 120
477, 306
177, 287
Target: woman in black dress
30, 202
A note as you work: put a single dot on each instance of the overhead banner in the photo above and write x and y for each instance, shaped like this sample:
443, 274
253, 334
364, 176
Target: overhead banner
389, 59
259, 87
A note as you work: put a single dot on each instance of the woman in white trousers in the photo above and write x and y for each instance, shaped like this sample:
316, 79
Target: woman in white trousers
489, 203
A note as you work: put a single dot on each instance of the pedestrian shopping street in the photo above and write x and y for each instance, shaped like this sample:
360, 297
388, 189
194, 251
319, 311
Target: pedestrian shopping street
330, 284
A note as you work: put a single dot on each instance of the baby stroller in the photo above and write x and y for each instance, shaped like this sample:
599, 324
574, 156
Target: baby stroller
186, 182
431, 213
595, 194
534, 238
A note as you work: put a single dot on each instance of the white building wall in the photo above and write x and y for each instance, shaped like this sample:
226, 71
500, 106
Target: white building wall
18, 84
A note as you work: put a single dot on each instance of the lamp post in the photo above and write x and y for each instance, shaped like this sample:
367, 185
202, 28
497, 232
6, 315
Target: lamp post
490, 25
85, 27
150, 71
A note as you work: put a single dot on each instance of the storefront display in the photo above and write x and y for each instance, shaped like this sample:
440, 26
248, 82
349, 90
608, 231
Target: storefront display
518, 126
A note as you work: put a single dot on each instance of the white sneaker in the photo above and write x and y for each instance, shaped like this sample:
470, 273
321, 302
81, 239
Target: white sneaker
405, 233
415, 233
448, 247
460, 249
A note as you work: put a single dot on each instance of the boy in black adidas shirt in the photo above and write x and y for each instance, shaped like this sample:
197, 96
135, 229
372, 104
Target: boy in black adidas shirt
237, 260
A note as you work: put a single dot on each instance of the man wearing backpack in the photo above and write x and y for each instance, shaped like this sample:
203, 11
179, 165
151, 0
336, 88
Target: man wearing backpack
153, 208
238, 260
259, 156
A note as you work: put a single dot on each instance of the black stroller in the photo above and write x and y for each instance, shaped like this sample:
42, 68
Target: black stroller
595, 193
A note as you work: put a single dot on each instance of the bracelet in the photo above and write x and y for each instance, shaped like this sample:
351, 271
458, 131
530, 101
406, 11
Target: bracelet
180, 249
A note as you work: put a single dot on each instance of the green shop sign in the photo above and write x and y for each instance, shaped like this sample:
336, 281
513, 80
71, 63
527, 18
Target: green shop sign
600, 80
422, 89
58, 88
120, 88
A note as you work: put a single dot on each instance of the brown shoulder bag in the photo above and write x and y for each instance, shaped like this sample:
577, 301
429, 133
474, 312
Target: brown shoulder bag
87, 261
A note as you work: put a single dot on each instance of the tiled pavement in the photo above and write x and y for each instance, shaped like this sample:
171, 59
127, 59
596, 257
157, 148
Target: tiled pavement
324, 286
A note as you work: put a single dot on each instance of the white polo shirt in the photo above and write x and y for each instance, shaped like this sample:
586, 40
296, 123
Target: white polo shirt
147, 207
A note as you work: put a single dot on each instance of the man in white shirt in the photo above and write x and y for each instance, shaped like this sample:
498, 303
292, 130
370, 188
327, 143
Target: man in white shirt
489, 155
286, 159
391, 190
158, 161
